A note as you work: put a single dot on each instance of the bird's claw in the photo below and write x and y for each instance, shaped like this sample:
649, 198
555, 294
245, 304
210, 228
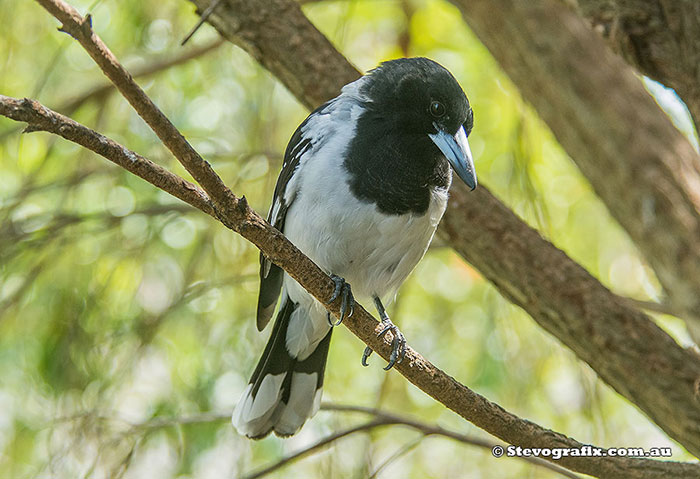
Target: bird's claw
398, 345
342, 289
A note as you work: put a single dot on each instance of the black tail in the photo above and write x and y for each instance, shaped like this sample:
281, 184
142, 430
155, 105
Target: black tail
283, 391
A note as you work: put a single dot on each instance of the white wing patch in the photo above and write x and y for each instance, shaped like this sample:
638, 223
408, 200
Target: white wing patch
275, 211
307, 327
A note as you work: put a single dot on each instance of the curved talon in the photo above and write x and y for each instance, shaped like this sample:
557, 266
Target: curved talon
398, 345
347, 303
339, 283
332, 323
365, 355
368, 351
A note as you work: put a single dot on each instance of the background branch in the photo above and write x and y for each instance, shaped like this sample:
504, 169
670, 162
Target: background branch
380, 418
625, 348
645, 171
38, 117
430, 430
659, 38
320, 444
147, 69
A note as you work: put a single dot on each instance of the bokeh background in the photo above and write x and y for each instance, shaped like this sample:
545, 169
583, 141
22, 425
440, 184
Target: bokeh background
126, 317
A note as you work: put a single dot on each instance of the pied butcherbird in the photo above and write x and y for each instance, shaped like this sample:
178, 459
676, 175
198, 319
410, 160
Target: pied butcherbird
363, 186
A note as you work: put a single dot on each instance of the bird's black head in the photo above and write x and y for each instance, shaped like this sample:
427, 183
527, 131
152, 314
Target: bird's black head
419, 97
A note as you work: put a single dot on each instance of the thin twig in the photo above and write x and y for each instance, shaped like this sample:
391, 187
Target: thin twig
205, 15
429, 430
662, 308
163, 422
403, 450
16, 232
317, 445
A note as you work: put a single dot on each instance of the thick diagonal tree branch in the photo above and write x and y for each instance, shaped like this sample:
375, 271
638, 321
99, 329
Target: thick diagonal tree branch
645, 171
80, 28
235, 213
661, 38
621, 344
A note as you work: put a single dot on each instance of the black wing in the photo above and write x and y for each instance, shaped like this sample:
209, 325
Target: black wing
270, 274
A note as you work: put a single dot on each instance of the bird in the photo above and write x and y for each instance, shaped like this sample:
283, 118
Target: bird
363, 186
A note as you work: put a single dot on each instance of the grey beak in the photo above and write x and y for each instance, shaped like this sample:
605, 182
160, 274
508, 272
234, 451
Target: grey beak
456, 150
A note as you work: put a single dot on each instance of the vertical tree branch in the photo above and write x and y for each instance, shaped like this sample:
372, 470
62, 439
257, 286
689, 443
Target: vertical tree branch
640, 165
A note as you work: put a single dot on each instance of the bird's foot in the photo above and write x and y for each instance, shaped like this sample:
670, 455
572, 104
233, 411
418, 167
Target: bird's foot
398, 344
347, 306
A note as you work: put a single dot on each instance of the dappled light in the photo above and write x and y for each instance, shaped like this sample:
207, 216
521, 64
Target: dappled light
127, 316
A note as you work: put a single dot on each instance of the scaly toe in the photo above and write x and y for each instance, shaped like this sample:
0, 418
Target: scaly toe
398, 345
347, 305
339, 283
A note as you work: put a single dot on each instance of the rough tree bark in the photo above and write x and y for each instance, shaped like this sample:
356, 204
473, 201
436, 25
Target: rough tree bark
661, 38
645, 171
625, 348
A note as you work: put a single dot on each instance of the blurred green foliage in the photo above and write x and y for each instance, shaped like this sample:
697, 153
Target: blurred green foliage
118, 304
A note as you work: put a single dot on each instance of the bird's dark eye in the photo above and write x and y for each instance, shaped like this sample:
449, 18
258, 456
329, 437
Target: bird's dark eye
437, 109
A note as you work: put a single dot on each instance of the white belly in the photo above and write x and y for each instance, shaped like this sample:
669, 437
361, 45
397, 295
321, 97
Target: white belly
373, 251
